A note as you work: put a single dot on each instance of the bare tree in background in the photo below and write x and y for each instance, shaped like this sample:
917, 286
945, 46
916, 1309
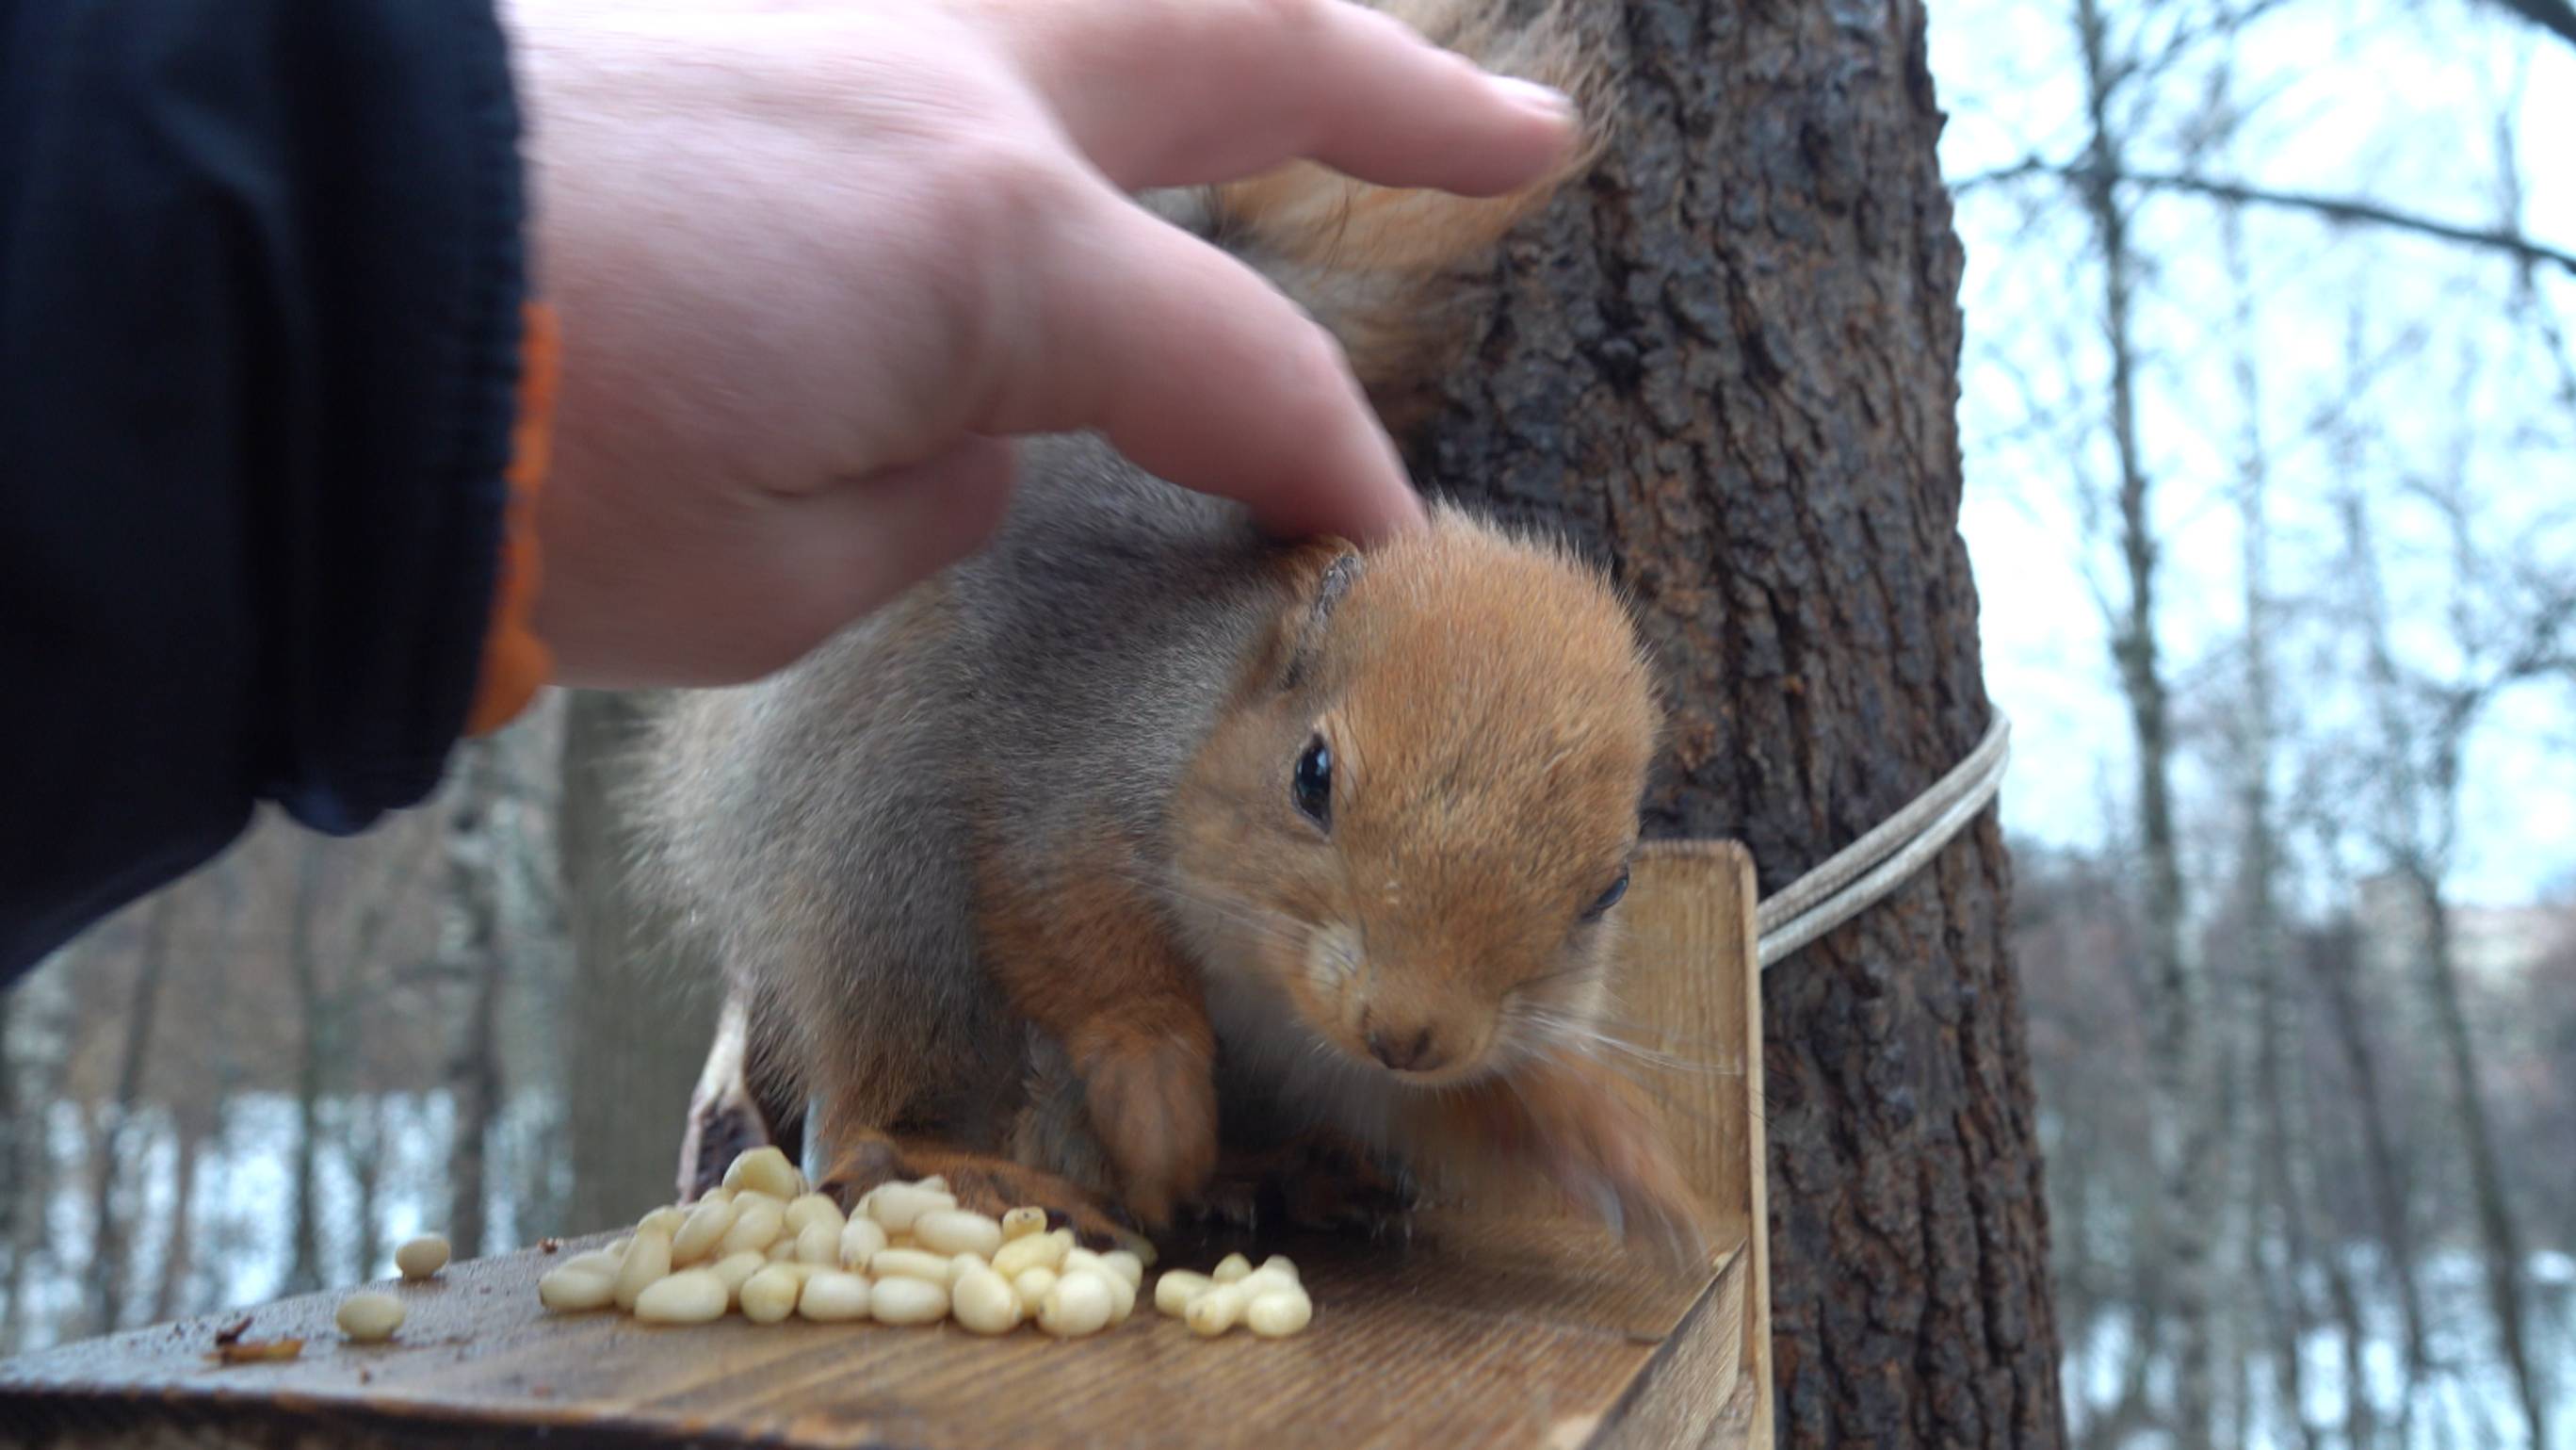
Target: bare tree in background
474, 957
2424, 724
2187, 1151
120, 1137
641, 1002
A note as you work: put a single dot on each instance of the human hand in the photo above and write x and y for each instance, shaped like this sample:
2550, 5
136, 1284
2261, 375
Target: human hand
817, 261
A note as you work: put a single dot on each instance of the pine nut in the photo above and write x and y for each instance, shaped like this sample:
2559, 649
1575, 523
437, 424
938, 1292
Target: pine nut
1280, 1264
1279, 1313
1031, 1287
1021, 1222
369, 1316
813, 1208
1217, 1310
819, 1244
768, 1170
421, 1257
781, 1252
959, 1265
735, 1270
647, 1261
756, 1227
666, 1219
1035, 1251
862, 1239
1176, 1288
909, 1264
1265, 1280
770, 1295
693, 1296
899, 1205
573, 1288
1079, 1304
908, 1301
983, 1302
1126, 1266
598, 1261
1122, 1294
833, 1297
956, 1231
1231, 1268
704, 1229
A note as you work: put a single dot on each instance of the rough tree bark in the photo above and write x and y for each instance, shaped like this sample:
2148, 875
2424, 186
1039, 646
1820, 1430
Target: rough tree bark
639, 1016
1731, 369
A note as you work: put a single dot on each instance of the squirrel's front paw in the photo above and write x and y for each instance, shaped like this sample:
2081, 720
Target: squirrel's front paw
1152, 1102
1601, 1144
982, 1182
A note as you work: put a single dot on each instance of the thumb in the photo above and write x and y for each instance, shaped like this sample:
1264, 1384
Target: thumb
874, 537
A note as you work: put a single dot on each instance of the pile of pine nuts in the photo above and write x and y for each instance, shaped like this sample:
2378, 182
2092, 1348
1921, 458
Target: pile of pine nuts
765, 1245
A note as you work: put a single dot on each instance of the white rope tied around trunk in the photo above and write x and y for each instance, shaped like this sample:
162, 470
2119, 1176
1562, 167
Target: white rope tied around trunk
1862, 873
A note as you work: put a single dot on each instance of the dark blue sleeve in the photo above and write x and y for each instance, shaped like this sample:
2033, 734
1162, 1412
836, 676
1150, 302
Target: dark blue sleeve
260, 281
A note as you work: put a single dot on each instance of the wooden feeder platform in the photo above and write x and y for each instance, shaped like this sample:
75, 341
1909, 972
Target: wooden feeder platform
1507, 1327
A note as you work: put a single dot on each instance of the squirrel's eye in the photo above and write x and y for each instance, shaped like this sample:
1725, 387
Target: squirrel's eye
1607, 899
1313, 782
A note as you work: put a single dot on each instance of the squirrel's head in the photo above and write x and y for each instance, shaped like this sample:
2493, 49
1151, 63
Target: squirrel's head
1415, 819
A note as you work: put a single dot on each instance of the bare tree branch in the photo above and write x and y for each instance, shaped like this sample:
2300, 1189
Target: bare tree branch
2337, 208
2558, 17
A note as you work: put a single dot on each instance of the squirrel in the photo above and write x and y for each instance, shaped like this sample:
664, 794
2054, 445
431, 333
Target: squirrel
1139, 847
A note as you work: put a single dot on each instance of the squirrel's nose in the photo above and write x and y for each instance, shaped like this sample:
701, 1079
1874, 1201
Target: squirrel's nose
1406, 1051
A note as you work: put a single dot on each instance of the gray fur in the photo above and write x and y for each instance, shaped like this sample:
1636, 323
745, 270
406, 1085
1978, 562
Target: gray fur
823, 827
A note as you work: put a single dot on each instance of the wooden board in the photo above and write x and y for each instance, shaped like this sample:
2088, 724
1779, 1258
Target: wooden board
1504, 1328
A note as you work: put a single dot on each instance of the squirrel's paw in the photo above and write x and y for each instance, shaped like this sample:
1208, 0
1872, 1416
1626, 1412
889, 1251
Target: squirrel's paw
1153, 1107
982, 1182
1311, 1183
1603, 1150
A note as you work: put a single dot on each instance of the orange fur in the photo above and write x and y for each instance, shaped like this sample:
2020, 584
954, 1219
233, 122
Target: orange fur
1083, 955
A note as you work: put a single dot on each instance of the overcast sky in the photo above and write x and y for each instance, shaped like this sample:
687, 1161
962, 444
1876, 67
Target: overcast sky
2396, 102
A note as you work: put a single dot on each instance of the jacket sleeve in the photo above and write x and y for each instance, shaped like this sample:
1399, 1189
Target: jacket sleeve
260, 315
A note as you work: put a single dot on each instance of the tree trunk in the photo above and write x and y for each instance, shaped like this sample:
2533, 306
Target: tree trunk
118, 1142
1734, 375
639, 1014
2336, 969
315, 1045
474, 1068
2498, 1236
362, 1142
2185, 1152
180, 1254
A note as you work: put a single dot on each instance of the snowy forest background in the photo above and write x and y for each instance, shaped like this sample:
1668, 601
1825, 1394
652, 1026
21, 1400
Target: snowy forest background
2269, 404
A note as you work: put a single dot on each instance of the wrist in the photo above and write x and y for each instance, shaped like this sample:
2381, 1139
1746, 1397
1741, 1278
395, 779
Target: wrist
516, 663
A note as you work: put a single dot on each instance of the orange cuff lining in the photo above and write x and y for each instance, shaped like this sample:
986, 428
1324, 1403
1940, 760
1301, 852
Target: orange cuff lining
516, 664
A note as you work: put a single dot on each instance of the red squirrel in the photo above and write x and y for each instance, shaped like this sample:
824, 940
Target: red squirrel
1140, 845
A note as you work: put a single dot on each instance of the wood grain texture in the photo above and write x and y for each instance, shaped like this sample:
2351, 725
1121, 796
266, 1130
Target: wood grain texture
1507, 1326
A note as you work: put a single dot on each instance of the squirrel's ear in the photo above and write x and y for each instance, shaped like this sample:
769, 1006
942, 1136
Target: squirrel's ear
1322, 573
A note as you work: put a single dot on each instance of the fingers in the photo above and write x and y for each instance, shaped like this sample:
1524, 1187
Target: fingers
1183, 92
1201, 373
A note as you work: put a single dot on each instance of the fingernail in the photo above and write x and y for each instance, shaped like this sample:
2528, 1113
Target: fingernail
1536, 97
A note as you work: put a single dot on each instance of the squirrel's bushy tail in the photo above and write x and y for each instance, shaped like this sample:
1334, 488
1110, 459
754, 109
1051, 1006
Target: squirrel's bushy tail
1399, 275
